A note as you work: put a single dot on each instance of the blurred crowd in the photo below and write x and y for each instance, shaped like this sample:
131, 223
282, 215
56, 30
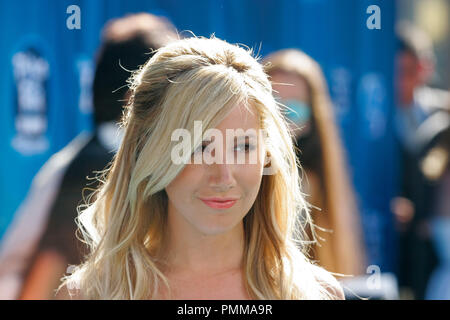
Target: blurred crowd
42, 242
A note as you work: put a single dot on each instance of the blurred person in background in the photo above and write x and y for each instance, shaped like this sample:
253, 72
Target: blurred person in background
299, 83
436, 165
42, 241
420, 116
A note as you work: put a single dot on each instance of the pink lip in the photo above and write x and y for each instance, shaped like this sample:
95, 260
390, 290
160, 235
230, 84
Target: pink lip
219, 203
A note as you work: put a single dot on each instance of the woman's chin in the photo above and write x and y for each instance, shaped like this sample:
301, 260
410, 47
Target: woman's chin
214, 229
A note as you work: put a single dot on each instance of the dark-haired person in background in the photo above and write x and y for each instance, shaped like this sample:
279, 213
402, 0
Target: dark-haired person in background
420, 116
42, 242
436, 165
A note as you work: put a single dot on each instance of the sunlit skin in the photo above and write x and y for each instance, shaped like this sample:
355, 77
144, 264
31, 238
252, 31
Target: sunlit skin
289, 86
206, 244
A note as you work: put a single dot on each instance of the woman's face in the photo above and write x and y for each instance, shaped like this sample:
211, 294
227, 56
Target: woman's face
294, 93
214, 198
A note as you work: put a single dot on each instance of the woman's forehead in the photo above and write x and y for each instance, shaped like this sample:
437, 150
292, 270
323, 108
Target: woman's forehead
240, 117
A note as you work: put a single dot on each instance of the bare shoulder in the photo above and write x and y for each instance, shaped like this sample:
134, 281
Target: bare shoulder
329, 282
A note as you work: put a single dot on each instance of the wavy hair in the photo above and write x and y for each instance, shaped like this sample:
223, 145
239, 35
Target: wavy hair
124, 224
343, 252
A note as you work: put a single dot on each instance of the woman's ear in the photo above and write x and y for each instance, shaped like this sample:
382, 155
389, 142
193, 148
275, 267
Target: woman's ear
270, 167
267, 159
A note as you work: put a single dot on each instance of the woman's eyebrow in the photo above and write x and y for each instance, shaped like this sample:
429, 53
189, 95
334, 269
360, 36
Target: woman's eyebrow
247, 137
251, 135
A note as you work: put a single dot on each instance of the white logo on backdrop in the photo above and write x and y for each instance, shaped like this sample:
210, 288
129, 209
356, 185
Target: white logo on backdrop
31, 73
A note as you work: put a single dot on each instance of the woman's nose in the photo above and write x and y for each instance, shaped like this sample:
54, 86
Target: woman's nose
221, 177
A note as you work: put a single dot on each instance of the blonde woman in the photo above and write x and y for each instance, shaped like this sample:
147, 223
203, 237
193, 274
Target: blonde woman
300, 85
167, 226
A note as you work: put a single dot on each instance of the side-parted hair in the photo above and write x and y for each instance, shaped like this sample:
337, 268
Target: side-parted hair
125, 223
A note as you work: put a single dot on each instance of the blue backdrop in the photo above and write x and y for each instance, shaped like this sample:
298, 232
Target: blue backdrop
47, 72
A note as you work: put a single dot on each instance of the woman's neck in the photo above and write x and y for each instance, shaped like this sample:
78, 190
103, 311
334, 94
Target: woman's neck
190, 252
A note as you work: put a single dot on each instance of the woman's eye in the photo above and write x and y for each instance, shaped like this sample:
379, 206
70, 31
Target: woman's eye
200, 148
245, 147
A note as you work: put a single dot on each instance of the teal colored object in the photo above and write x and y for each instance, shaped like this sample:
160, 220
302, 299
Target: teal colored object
298, 111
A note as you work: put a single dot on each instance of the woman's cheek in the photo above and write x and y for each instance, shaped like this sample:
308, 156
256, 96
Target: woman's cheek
250, 177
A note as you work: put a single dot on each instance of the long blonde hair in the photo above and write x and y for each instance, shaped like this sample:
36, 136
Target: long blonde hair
343, 251
187, 80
